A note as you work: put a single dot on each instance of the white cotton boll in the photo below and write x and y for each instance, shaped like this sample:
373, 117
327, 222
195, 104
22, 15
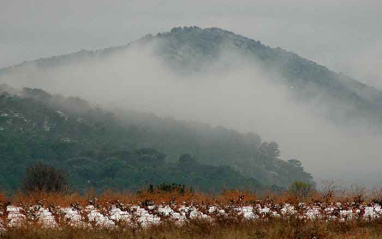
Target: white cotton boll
313, 213
73, 216
165, 211
288, 210
99, 219
117, 214
264, 210
247, 212
370, 213
15, 217
346, 214
46, 218
212, 209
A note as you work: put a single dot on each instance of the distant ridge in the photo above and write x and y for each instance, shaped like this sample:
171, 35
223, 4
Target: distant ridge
130, 150
189, 49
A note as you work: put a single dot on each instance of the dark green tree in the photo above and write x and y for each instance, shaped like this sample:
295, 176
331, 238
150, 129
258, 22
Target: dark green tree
270, 149
45, 178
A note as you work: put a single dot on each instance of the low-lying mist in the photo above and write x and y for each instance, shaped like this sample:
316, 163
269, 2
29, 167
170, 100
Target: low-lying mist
233, 92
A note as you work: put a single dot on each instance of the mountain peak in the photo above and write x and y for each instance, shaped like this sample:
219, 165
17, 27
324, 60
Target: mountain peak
189, 50
196, 29
207, 34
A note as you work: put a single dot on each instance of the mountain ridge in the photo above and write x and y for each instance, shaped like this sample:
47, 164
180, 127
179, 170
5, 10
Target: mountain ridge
190, 50
299, 72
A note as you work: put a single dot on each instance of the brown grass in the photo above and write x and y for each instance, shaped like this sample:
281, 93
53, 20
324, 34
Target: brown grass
222, 230
47, 199
225, 198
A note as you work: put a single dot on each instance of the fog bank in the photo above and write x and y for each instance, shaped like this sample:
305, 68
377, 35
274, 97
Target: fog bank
238, 95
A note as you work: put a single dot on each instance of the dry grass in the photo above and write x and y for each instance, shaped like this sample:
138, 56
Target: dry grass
225, 198
47, 199
222, 230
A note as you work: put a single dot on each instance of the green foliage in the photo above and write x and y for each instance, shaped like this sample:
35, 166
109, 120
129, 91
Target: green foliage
270, 150
125, 150
167, 187
44, 178
300, 189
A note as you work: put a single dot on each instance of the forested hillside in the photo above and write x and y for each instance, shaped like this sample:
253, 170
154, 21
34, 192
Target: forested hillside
189, 50
129, 150
192, 50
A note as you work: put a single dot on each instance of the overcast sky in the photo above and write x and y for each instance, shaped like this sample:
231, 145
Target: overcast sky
345, 35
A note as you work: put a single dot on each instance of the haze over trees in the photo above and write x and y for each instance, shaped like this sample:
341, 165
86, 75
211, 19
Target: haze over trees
193, 50
98, 149
313, 115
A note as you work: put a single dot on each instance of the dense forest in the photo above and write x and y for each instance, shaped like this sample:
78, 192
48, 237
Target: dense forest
129, 150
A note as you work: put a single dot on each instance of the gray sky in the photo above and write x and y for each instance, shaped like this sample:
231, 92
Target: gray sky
345, 35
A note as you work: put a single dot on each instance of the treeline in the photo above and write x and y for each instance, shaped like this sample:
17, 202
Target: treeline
125, 151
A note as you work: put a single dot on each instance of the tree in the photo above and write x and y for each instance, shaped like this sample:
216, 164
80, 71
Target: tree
300, 189
295, 162
45, 178
187, 161
270, 150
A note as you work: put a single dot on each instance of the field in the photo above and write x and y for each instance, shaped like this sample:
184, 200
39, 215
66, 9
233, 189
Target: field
232, 214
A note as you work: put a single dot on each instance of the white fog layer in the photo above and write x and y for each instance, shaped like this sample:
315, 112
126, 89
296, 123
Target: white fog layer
239, 95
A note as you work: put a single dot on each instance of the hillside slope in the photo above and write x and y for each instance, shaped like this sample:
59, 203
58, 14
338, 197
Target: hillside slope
128, 151
190, 50
343, 98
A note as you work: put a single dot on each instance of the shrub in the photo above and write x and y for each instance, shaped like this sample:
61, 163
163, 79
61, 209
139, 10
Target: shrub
45, 178
167, 188
300, 189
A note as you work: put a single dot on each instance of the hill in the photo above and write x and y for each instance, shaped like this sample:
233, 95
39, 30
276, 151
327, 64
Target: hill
191, 50
126, 151
344, 99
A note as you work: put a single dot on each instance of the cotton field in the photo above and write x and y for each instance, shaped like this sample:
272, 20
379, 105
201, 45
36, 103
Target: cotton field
116, 214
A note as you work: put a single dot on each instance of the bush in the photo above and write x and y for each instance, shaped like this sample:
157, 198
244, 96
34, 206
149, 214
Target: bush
300, 189
45, 178
168, 188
